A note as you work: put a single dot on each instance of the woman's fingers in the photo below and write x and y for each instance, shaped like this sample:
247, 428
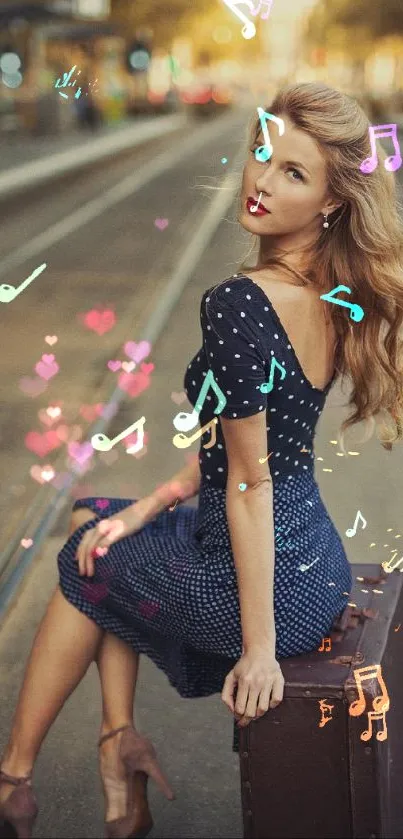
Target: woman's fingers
250, 709
227, 694
241, 698
278, 690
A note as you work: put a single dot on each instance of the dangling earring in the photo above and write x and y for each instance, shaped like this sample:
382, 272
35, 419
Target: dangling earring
325, 223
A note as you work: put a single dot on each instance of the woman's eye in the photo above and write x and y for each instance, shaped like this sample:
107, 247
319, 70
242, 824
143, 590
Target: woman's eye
296, 172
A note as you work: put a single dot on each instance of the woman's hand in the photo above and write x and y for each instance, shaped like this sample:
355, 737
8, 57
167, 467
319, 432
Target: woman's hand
260, 685
96, 542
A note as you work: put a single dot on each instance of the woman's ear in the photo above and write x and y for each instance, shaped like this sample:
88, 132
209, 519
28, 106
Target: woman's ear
332, 206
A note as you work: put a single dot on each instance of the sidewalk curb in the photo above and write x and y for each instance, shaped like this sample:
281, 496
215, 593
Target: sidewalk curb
43, 169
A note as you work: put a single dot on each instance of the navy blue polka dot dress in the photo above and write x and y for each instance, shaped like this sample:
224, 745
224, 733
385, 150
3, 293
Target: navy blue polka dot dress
170, 591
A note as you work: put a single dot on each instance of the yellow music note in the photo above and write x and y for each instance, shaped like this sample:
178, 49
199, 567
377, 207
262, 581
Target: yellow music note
322, 647
9, 292
389, 568
102, 443
183, 442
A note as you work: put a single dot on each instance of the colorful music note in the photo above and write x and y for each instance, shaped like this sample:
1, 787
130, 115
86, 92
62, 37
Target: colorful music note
9, 292
185, 421
305, 567
268, 4
255, 207
249, 29
353, 530
183, 442
263, 459
356, 312
66, 78
323, 707
102, 443
264, 153
380, 735
391, 163
389, 568
323, 648
266, 387
380, 703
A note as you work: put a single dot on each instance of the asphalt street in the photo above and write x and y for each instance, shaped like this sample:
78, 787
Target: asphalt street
120, 261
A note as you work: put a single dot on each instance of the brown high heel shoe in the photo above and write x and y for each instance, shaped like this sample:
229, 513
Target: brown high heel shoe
19, 811
139, 758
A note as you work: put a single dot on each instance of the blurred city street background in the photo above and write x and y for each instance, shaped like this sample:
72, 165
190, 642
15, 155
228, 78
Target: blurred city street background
123, 128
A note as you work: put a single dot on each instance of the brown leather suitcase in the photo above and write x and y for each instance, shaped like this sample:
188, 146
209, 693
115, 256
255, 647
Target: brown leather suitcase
303, 779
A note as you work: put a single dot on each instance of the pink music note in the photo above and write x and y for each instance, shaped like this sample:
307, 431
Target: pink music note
256, 10
391, 163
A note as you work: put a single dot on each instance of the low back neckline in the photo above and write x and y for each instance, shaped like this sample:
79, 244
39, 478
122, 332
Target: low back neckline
322, 391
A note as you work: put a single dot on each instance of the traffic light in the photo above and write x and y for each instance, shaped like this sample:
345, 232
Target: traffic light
138, 57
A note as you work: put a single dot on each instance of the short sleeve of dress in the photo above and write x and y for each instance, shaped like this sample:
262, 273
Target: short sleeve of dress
233, 350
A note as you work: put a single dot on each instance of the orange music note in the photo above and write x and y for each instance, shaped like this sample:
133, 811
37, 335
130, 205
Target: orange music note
380, 735
323, 707
380, 704
322, 647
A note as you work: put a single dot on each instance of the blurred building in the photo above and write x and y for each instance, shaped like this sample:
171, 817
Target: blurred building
40, 41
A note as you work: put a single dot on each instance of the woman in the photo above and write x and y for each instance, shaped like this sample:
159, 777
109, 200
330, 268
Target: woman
198, 591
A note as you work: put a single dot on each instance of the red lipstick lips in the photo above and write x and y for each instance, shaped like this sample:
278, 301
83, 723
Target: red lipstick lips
255, 208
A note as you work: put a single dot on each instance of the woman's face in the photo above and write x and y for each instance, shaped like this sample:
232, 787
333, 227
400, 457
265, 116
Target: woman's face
293, 184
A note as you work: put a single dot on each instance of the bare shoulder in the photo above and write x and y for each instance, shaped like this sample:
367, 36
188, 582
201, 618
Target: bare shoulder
292, 302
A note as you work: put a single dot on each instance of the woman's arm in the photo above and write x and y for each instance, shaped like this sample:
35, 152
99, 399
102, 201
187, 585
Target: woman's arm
185, 484
251, 526
250, 520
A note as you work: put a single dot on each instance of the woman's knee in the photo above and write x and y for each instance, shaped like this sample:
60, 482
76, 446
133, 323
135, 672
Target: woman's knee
80, 517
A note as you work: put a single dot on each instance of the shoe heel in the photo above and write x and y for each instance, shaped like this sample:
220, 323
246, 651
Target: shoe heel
139, 755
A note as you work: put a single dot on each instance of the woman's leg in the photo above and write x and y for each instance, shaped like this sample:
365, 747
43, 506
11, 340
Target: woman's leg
117, 664
64, 646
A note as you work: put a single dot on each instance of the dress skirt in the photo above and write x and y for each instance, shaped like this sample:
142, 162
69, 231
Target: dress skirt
170, 590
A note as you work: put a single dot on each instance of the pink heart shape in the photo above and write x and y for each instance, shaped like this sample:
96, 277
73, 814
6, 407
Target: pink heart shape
32, 387
178, 398
148, 610
161, 223
95, 592
100, 321
114, 366
47, 367
80, 452
42, 474
133, 384
128, 366
137, 351
51, 339
26, 543
147, 368
102, 503
91, 412
46, 418
42, 444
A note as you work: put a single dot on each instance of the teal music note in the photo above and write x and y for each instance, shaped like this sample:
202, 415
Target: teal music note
264, 153
266, 387
356, 312
184, 421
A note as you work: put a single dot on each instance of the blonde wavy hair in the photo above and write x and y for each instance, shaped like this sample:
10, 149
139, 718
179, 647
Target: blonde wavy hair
362, 248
